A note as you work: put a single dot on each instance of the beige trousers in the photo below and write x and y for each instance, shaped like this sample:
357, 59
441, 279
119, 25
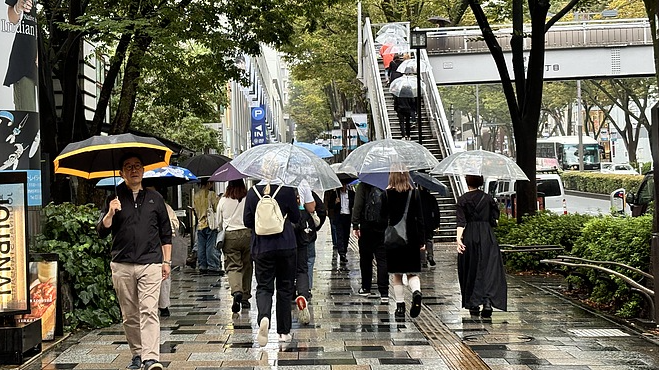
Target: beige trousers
138, 290
238, 261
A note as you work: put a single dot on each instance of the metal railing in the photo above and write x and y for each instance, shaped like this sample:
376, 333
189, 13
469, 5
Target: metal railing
438, 122
373, 83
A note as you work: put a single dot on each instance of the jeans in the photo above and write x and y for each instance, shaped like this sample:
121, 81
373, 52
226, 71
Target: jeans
311, 261
275, 268
333, 229
208, 257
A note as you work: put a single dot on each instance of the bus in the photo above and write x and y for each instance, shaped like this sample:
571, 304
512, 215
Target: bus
565, 149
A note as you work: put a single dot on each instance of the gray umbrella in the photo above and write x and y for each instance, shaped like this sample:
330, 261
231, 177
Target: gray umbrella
480, 162
287, 164
389, 154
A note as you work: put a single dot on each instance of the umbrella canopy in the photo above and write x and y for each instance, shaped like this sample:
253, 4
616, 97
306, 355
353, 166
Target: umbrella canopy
344, 175
409, 66
405, 87
318, 150
287, 164
227, 172
429, 182
480, 162
99, 156
163, 176
397, 29
204, 165
382, 155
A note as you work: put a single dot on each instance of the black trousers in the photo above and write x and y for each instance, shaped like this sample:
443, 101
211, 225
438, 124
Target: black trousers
275, 268
343, 224
404, 122
371, 244
302, 275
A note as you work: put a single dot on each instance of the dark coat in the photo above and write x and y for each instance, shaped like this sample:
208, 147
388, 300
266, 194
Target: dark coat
140, 229
407, 258
334, 208
430, 212
289, 208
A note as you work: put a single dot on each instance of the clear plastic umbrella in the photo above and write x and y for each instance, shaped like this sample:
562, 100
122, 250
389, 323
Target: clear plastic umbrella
388, 155
390, 38
393, 28
405, 87
480, 162
286, 164
409, 66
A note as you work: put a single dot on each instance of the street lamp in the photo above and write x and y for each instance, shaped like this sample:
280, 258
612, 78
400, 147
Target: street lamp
418, 41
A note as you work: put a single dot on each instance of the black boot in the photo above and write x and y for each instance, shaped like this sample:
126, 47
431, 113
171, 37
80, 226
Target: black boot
400, 310
416, 304
487, 309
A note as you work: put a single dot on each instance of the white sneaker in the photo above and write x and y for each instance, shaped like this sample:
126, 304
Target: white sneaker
303, 315
384, 300
262, 336
285, 338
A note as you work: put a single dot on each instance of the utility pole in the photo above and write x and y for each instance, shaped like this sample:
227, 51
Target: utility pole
579, 126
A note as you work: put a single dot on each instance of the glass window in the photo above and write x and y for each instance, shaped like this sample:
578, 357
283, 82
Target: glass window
550, 187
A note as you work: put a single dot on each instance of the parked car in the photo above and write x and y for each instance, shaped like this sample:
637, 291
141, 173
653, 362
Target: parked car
639, 201
549, 185
620, 169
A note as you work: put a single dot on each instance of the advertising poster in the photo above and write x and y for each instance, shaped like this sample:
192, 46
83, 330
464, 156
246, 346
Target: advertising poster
19, 113
361, 123
14, 291
42, 276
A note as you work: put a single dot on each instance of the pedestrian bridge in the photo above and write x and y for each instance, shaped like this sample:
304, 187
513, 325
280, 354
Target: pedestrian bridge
574, 50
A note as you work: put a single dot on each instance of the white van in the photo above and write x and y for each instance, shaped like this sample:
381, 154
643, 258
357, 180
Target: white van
549, 184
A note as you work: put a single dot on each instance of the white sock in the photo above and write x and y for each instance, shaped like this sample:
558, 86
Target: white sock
399, 293
414, 282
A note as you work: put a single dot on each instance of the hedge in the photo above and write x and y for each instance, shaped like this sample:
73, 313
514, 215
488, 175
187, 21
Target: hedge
599, 183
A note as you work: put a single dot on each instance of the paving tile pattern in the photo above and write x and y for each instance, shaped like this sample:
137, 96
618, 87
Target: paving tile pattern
349, 332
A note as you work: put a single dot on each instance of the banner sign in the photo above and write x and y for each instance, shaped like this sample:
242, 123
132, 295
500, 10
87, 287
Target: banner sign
337, 140
259, 133
43, 273
361, 123
14, 292
19, 114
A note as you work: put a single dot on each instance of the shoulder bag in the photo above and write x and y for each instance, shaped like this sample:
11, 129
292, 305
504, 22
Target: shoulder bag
219, 240
395, 236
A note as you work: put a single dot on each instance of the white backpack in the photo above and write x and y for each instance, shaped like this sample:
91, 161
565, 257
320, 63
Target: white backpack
268, 219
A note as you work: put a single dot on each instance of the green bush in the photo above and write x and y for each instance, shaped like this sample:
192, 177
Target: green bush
544, 228
70, 231
599, 183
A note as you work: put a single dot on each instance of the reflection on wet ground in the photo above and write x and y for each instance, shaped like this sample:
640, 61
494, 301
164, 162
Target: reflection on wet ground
540, 331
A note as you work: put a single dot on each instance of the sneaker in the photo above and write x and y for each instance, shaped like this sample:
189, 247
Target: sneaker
415, 310
363, 292
384, 300
431, 262
303, 315
262, 336
135, 363
237, 298
152, 365
285, 338
246, 305
164, 312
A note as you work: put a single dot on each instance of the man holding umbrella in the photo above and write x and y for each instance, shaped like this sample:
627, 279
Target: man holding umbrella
141, 259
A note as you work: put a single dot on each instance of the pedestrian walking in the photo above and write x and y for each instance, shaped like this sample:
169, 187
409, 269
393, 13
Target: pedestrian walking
368, 223
431, 220
208, 256
274, 260
166, 286
237, 256
305, 235
480, 265
340, 203
141, 258
403, 205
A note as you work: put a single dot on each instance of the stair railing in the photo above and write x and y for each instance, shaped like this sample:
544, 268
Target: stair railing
373, 83
438, 122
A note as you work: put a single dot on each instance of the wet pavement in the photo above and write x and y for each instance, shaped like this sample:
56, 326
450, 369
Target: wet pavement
541, 330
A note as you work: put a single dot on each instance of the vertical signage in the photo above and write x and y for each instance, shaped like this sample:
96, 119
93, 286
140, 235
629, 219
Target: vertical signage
43, 274
361, 123
259, 132
14, 292
19, 114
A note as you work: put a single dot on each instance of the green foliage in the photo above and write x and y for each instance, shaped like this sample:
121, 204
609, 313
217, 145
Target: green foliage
309, 109
544, 228
599, 183
70, 231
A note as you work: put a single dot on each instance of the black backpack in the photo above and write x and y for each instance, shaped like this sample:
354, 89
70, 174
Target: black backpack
373, 212
321, 210
305, 229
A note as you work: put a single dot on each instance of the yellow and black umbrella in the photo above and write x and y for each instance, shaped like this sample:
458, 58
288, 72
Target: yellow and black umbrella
99, 156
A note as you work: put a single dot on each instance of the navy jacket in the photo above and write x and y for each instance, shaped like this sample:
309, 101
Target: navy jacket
289, 209
140, 229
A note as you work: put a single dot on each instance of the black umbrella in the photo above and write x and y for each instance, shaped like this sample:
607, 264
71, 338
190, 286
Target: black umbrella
205, 165
99, 156
429, 182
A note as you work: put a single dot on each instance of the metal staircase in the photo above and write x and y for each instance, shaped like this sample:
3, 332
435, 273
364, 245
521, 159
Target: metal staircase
436, 135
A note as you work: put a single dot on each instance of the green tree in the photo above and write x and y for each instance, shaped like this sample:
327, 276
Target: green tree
309, 109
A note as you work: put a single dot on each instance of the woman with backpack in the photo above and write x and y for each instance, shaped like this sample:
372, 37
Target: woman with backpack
271, 211
403, 205
237, 257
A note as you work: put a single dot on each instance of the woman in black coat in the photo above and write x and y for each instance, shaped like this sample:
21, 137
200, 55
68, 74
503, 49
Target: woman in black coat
405, 259
480, 265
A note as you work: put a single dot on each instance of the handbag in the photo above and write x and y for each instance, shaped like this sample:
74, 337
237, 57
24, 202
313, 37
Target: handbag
395, 236
219, 239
